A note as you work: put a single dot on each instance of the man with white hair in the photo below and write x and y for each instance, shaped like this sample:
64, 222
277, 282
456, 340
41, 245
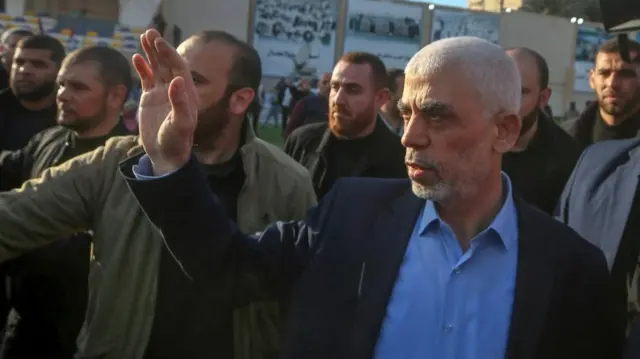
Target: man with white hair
446, 265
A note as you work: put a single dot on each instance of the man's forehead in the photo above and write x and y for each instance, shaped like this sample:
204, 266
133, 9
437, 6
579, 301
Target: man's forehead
202, 57
606, 60
444, 88
41, 54
82, 70
351, 73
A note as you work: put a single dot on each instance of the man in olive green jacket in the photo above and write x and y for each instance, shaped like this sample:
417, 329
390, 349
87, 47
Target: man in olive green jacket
88, 193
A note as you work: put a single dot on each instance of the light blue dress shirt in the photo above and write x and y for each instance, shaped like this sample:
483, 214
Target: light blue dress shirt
447, 304
143, 171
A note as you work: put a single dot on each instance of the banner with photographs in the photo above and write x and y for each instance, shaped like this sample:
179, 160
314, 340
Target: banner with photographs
449, 23
588, 40
295, 38
388, 30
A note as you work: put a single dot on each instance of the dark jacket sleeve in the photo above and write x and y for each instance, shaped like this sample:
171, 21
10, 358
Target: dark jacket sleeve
296, 118
15, 166
562, 208
206, 243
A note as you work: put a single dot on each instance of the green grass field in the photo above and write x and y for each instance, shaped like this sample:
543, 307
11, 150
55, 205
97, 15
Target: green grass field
271, 134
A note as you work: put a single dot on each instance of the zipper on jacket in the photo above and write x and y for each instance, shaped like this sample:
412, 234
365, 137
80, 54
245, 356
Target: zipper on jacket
362, 270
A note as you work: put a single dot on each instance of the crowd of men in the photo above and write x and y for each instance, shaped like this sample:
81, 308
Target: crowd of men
431, 212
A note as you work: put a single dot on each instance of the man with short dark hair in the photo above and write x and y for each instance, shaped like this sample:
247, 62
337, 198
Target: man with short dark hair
355, 142
616, 113
543, 157
143, 303
28, 106
389, 111
48, 288
311, 109
8, 42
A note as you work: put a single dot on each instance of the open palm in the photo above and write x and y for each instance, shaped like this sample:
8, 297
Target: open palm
168, 105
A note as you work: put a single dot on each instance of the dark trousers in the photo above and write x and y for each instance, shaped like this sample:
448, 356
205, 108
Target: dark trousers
285, 117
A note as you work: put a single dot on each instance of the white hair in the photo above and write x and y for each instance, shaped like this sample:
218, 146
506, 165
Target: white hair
483, 65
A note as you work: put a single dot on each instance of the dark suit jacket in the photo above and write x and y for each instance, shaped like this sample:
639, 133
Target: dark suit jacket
599, 195
343, 260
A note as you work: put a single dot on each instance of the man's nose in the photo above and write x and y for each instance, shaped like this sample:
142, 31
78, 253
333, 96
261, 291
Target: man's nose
415, 135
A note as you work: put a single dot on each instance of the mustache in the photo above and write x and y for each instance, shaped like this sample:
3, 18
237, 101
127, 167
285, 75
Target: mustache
413, 157
340, 109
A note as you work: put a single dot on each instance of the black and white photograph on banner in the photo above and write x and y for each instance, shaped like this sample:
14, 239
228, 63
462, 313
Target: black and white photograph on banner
390, 30
449, 23
295, 38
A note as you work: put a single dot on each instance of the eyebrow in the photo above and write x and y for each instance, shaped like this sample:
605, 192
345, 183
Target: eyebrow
429, 106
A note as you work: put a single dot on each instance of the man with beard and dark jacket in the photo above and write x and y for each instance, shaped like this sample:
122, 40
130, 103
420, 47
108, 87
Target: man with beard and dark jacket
616, 113
8, 43
541, 162
355, 142
28, 106
48, 288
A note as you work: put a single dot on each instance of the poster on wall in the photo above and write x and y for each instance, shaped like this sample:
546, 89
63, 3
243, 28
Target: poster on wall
295, 38
388, 30
449, 23
588, 40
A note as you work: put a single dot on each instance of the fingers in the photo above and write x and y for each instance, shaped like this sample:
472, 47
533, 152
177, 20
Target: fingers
183, 119
160, 72
144, 72
169, 58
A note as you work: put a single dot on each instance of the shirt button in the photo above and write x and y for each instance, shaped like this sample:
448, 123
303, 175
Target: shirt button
448, 328
456, 270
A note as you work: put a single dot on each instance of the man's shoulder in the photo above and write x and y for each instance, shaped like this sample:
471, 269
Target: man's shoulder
308, 133
277, 161
555, 237
608, 150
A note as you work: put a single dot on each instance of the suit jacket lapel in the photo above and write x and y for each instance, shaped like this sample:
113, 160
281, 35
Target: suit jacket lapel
606, 209
534, 281
383, 257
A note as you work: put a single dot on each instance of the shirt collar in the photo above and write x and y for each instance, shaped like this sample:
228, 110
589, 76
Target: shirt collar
505, 224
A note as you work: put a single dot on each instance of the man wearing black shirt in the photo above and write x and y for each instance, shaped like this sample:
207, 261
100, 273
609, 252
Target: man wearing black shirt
8, 43
28, 107
49, 287
616, 113
544, 156
355, 142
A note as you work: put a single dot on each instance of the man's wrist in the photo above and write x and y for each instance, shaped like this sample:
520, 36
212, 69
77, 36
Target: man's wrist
161, 168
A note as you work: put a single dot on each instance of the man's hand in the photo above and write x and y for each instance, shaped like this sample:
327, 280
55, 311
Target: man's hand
168, 105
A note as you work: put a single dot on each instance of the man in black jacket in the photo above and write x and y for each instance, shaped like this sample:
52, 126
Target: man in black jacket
355, 142
616, 113
8, 43
447, 265
542, 160
48, 290
28, 106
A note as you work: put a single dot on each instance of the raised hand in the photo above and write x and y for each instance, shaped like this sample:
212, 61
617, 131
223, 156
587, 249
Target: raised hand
168, 106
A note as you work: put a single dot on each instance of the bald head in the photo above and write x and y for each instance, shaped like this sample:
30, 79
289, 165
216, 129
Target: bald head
484, 67
529, 55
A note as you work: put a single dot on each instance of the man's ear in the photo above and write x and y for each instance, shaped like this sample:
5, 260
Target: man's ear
117, 96
382, 97
240, 101
508, 131
545, 95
